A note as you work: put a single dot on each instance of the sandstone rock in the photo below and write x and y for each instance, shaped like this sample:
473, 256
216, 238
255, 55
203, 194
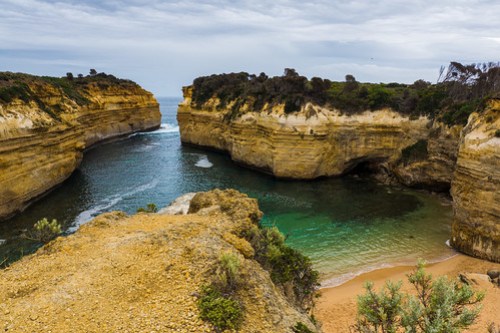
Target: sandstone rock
474, 279
39, 151
142, 273
179, 206
476, 187
298, 146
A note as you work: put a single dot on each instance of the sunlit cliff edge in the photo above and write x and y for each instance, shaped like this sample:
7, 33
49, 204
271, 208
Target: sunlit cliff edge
46, 124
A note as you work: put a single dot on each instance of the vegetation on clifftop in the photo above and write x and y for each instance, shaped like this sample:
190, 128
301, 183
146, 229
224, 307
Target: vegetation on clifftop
460, 90
30, 88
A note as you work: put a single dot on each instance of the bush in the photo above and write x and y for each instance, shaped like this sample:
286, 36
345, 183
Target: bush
44, 231
223, 312
497, 134
227, 273
300, 327
150, 208
286, 265
440, 306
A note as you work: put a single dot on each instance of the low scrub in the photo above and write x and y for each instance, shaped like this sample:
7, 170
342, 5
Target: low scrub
438, 306
44, 231
150, 208
222, 311
288, 267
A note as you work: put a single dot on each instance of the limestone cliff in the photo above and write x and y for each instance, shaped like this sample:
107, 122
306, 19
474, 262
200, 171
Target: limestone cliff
476, 186
430, 162
318, 141
47, 123
144, 273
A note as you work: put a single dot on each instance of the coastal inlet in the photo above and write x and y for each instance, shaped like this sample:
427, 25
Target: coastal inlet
346, 225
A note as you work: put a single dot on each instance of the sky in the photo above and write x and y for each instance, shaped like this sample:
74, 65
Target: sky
164, 45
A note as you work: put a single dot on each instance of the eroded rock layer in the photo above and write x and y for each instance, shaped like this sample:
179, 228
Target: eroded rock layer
147, 274
42, 138
476, 187
317, 142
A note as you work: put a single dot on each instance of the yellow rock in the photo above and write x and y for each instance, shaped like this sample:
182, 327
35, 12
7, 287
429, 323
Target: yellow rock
38, 152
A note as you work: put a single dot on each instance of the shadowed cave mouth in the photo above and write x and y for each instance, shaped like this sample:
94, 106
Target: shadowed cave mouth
365, 167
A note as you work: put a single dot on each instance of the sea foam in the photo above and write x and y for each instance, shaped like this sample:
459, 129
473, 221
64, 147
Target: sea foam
203, 162
106, 204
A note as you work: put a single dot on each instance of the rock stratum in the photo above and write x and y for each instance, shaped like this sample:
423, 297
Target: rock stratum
144, 273
476, 186
317, 141
47, 123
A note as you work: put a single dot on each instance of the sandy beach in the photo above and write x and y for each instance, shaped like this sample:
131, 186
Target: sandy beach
336, 308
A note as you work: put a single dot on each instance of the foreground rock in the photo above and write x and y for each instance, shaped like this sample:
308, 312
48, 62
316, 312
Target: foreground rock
47, 123
143, 273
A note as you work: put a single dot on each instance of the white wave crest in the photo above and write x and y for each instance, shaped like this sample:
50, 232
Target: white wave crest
106, 204
164, 128
203, 162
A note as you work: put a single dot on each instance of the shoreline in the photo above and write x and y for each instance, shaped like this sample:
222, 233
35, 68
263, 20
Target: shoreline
336, 308
340, 280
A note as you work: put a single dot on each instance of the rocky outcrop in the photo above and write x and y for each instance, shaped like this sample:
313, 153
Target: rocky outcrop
317, 142
308, 144
147, 273
430, 163
476, 186
43, 136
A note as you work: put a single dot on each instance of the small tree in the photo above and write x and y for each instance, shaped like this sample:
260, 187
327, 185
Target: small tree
69, 76
44, 231
440, 306
150, 208
92, 72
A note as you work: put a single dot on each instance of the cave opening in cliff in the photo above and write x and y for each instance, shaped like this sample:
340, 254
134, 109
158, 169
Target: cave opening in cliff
365, 168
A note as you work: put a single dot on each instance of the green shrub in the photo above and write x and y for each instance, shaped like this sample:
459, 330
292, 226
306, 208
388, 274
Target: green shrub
227, 273
300, 327
440, 306
223, 312
150, 208
44, 231
497, 133
286, 265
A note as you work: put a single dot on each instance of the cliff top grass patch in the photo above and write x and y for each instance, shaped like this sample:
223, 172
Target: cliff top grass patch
29, 88
460, 90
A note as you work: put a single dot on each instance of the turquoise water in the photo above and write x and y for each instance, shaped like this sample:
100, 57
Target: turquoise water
346, 225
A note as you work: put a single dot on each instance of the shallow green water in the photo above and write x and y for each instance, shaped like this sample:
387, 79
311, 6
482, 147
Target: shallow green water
346, 225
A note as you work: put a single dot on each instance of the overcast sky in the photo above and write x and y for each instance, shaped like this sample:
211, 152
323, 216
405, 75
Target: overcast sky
164, 45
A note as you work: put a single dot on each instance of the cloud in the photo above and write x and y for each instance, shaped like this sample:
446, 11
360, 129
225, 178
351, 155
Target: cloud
165, 44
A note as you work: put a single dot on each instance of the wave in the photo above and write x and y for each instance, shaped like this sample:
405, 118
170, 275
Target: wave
164, 128
203, 162
106, 204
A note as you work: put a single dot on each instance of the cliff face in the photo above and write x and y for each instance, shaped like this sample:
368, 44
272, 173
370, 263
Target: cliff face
430, 163
476, 187
147, 272
319, 142
43, 136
